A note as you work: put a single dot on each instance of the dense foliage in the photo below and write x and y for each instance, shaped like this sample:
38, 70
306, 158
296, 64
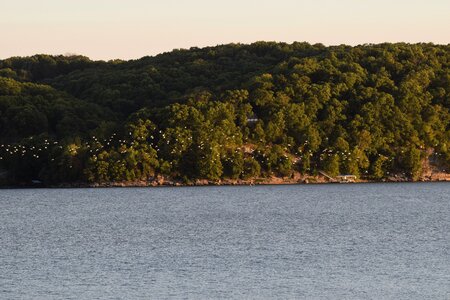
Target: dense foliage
232, 111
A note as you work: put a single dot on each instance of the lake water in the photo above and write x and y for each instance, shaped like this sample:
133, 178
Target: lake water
361, 241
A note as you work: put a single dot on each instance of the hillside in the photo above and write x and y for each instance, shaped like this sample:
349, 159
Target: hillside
230, 112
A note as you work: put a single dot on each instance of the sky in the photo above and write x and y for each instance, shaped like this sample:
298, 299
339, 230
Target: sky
129, 29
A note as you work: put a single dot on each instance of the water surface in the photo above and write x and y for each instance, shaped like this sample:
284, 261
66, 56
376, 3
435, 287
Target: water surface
368, 241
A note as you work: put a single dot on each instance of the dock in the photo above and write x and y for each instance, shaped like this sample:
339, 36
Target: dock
349, 178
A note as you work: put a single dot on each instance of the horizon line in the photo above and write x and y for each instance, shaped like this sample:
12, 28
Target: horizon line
74, 54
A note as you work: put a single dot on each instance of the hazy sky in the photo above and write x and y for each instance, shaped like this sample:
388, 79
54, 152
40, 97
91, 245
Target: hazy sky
106, 29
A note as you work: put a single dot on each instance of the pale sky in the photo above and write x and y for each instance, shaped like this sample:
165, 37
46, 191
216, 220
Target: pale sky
109, 29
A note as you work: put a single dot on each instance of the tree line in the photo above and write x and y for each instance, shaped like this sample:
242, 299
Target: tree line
232, 111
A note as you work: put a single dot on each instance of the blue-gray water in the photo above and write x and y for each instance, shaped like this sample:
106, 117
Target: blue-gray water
370, 241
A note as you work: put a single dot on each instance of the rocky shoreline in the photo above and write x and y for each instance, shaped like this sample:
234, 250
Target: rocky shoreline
295, 179
262, 181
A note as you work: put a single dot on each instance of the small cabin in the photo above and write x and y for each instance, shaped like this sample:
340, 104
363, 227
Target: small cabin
252, 119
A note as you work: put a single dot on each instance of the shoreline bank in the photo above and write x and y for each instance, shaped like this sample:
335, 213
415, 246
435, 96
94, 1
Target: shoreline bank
163, 182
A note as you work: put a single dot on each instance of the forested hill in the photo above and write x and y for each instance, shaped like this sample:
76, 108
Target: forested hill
232, 111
